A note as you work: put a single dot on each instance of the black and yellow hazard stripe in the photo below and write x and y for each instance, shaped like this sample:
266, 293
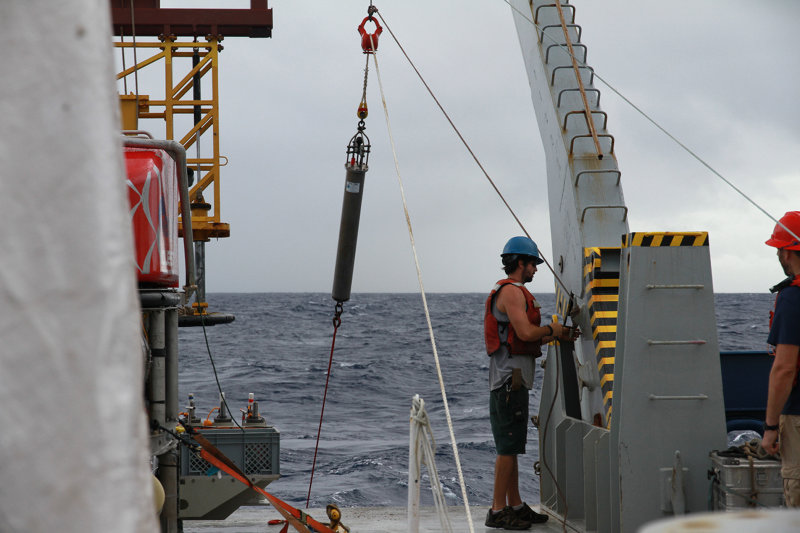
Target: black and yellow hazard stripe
602, 290
693, 238
562, 302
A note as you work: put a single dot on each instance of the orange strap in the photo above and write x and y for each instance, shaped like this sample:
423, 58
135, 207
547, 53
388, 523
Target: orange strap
300, 520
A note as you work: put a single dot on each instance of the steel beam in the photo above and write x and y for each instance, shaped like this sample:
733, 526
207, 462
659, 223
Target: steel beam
149, 19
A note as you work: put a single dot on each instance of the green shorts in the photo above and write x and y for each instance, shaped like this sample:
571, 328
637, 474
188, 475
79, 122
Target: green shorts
508, 414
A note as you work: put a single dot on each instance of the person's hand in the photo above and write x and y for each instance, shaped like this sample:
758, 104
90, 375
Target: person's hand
770, 441
558, 329
572, 334
569, 334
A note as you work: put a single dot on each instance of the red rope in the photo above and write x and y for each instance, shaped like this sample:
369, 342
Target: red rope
336, 323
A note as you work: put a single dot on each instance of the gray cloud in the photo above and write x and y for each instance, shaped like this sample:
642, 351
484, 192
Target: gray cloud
721, 77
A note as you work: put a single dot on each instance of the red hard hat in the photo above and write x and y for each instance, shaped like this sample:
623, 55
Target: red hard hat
782, 238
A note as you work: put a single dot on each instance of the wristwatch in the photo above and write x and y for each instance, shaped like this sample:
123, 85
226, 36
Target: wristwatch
767, 427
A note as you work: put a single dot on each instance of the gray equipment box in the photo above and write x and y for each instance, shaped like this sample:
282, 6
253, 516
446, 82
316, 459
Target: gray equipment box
742, 483
256, 451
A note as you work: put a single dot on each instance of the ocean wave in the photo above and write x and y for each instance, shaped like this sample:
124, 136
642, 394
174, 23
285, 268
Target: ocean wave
279, 346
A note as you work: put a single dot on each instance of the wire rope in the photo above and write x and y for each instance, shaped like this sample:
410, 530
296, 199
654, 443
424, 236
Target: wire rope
424, 298
654, 123
122, 53
214, 369
135, 59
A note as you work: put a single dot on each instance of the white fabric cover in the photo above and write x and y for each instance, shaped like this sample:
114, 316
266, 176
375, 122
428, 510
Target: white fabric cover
73, 437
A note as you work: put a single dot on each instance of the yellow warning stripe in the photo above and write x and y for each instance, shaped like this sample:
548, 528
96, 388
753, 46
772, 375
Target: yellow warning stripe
597, 330
604, 344
700, 238
602, 314
562, 302
603, 283
603, 298
594, 264
591, 256
604, 349
605, 361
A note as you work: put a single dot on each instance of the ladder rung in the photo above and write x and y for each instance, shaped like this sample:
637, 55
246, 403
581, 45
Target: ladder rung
582, 172
553, 74
623, 207
541, 37
605, 117
686, 397
675, 343
562, 91
605, 135
674, 286
564, 45
536, 14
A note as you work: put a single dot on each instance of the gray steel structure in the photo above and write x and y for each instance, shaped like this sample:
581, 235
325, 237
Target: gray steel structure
628, 414
160, 308
190, 494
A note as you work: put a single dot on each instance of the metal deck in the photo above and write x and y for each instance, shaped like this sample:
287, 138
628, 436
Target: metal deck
358, 519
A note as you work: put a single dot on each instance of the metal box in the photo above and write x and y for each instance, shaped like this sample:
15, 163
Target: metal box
739, 483
255, 451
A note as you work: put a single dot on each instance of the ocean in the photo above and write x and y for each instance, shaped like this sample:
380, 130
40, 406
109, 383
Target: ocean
278, 348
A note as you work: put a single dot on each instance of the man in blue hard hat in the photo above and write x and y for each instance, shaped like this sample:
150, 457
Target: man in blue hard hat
782, 421
514, 337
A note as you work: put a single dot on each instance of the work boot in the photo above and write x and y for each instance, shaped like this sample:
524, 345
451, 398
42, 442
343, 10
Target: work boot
529, 515
506, 519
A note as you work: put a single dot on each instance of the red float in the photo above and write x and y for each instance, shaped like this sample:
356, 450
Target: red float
153, 196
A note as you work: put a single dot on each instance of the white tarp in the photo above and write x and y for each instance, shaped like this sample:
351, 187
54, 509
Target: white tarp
73, 438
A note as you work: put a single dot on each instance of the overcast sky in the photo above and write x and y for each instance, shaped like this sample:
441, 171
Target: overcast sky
720, 76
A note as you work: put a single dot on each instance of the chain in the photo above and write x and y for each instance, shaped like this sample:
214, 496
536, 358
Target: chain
366, 72
337, 317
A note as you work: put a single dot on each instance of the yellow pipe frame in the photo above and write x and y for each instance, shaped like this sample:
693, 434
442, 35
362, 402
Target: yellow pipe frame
207, 169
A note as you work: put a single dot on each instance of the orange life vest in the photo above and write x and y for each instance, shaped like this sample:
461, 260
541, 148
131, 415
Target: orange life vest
492, 326
788, 282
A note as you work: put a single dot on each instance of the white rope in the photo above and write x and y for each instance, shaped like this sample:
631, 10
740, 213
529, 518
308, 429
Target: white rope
424, 300
421, 440
656, 124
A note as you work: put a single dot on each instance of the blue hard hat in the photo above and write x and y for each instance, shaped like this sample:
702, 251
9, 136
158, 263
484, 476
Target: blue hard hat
522, 246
